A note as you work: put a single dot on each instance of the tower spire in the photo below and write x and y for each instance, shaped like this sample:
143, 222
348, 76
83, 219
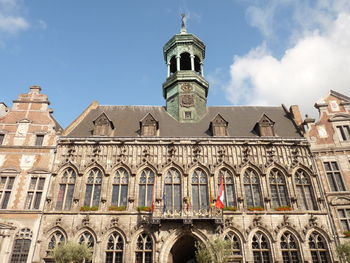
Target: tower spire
183, 24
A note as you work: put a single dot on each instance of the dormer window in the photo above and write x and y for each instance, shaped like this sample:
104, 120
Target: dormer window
103, 126
265, 127
149, 125
219, 126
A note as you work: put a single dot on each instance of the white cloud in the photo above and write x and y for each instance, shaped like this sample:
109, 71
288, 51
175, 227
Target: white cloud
11, 20
317, 60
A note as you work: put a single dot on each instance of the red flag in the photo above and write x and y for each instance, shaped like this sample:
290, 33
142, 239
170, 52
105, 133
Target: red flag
220, 199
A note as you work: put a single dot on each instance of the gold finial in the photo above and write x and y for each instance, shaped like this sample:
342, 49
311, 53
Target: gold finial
183, 23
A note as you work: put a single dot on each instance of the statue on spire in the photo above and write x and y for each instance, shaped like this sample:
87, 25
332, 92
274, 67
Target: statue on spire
183, 23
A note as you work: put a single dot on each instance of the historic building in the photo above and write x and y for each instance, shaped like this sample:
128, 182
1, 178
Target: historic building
330, 143
28, 135
139, 183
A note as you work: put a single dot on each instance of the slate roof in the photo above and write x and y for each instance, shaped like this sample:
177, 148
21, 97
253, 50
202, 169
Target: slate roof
241, 121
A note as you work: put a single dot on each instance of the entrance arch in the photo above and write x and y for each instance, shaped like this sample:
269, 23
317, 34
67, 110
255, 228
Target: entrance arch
183, 251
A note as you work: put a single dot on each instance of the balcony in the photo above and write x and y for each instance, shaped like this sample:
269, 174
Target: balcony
187, 215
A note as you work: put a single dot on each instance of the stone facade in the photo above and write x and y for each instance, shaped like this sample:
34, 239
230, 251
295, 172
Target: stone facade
29, 135
139, 184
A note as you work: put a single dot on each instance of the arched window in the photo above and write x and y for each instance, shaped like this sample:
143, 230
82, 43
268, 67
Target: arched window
146, 186
235, 244
229, 192
172, 191
252, 189
21, 246
144, 248
173, 67
115, 247
261, 248
66, 190
93, 188
120, 188
290, 248
318, 248
197, 64
200, 197
55, 239
305, 194
278, 188
88, 239
185, 61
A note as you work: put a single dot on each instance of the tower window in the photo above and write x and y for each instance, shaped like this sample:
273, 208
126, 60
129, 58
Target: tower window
197, 64
188, 115
185, 61
173, 68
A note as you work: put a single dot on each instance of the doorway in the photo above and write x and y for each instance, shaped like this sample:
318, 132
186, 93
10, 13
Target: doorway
183, 251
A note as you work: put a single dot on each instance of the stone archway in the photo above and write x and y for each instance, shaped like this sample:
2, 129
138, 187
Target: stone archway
183, 251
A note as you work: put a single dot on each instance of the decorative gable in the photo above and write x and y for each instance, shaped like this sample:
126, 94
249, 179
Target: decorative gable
148, 125
219, 126
265, 126
103, 126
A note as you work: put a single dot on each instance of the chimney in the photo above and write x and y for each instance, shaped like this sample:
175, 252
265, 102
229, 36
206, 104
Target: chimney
296, 115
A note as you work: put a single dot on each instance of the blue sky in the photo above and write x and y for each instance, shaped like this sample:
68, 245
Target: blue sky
111, 51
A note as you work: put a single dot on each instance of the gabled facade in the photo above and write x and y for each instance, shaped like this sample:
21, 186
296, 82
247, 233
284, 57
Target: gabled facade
329, 137
28, 135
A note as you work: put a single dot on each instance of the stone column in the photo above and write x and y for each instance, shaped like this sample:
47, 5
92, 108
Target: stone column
177, 62
168, 66
192, 62
202, 69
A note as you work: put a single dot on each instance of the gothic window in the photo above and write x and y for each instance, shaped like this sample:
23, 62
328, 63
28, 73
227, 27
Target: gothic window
334, 176
6, 185
261, 248
252, 189
144, 248
235, 244
55, 239
278, 188
229, 193
115, 247
185, 61
120, 188
35, 193
306, 199
88, 239
318, 248
172, 190
21, 246
146, 186
200, 197
93, 188
290, 248
344, 217
66, 190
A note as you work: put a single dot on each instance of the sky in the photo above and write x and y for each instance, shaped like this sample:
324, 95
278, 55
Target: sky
258, 52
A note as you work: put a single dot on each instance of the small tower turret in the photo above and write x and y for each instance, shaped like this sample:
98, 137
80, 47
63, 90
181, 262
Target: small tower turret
185, 89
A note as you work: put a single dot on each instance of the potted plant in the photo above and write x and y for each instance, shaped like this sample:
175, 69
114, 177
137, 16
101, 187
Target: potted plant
346, 234
144, 208
256, 208
230, 208
116, 208
88, 208
283, 208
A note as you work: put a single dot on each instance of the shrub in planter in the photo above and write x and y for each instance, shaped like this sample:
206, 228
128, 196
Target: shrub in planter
88, 208
117, 208
230, 208
346, 233
256, 208
284, 208
144, 208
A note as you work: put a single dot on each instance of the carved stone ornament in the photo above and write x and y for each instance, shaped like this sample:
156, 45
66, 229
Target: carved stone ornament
186, 87
187, 100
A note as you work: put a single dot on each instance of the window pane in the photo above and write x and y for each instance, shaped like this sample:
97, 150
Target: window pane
124, 195
28, 202
142, 195
37, 200
97, 194
88, 195
41, 183
69, 197
149, 195
204, 196
60, 196
5, 200
32, 183
177, 196
195, 199
115, 195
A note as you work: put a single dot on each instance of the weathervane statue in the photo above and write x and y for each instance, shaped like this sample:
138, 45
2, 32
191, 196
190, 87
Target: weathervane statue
183, 23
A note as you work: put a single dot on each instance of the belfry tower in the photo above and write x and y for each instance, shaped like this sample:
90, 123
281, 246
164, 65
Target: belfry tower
185, 89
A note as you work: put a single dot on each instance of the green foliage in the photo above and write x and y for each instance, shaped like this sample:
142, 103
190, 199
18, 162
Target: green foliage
88, 208
344, 252
117, 208
214, 251
72, 252
144, 208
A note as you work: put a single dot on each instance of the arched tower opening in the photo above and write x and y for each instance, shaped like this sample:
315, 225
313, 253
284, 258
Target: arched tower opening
185, 61
197, 64
173, 68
